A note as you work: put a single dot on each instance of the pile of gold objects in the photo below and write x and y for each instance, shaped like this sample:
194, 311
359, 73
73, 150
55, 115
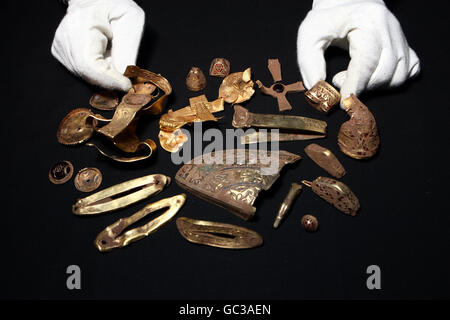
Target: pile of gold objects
80, 124
233, 185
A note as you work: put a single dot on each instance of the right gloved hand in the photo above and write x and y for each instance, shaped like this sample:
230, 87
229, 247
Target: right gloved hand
380, 54
98, 39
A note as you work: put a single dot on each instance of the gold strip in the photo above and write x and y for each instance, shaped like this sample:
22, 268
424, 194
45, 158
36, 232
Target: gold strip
103, 201
258, 137
146, 144
111, 237
244, 119
208, 233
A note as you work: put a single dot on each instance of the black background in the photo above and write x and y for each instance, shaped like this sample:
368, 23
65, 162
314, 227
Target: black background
402, 225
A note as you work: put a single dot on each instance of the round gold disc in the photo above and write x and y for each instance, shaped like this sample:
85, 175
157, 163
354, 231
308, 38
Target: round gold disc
61, 172
88, 179
76, 128
104, 100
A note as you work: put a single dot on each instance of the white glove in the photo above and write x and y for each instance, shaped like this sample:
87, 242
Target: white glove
380, 55
98, 39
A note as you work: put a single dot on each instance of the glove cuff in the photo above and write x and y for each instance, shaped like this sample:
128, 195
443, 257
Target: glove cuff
326, 4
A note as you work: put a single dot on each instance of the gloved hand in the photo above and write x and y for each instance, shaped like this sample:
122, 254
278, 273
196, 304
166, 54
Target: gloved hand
380, 55
98, 39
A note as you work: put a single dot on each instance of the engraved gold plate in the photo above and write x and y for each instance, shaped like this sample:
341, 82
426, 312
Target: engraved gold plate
358, 137
109, 199
112, 236
323, 96
325, 159
336, 193
233, 178
244, 119
237, 87
210, 233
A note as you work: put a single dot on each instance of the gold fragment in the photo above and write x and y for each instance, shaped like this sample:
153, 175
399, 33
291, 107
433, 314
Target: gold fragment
104, 100
294, 191
209, 233
358, 137
76, 127
195, 79
279, 90
172, 141
325, 159
220, 67
237, 87
323, 96
111, 237
244, 119
61, 172
108, 199
146, 88
233, 178
200, 109
336, 193
310, 223
88, 179
259, 137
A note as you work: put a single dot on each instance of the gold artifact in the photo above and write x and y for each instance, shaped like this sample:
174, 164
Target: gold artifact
172, 141
259, 137
294, 191
111, 237
244, 119
310, 223
237, 87
108, 199
335, 193
358, 137
325, 159
88, 179
104, 100
195, 79
209, 233
323, 96
170, 136
76, 127
80, 124
232, 178
220, 67
61, 172
279, 90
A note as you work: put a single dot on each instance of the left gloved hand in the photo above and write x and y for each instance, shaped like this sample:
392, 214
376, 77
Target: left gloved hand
97, 39
380, 55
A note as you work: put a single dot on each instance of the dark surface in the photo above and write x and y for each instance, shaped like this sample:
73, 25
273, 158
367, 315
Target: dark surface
403, 225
